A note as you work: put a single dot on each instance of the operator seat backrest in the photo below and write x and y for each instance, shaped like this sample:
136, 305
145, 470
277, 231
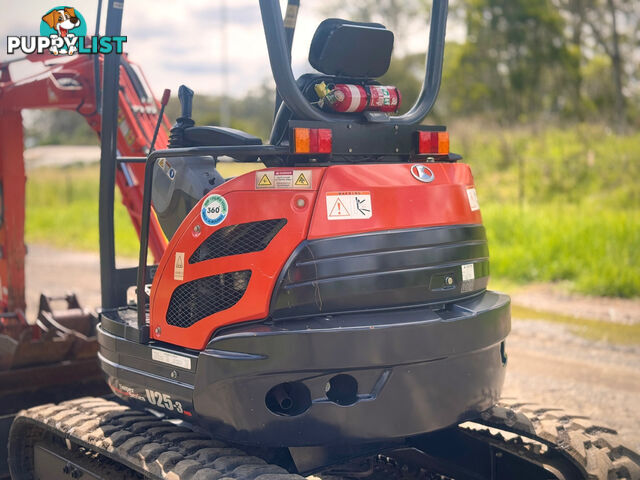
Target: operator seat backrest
343, 51
351, 49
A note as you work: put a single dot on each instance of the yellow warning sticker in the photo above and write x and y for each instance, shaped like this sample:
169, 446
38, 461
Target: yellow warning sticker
302, 181
284, 179
264, 180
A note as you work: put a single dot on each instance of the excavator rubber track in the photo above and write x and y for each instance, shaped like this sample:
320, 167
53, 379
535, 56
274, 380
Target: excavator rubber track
142, 442
593, 450
104, 437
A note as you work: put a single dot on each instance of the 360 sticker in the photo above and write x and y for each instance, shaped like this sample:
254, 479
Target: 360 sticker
214, 210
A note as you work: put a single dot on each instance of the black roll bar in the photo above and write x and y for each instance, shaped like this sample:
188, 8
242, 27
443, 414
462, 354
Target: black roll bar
290, 19
96, 63
111, 296
276, 38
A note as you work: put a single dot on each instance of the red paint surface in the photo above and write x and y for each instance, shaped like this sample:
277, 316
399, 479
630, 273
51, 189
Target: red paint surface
12, 180
47, 89
398, 201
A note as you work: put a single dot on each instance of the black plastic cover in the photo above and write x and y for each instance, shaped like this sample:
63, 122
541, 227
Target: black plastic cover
178, 184
382, 269
351, 49
416, 370
212, 135
238, 239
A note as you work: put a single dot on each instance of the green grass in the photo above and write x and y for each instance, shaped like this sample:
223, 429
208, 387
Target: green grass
591, 329
62, 208
559, 203
597, 251
581, 164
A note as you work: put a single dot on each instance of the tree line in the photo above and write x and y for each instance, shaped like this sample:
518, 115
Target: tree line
523, 60
506, 62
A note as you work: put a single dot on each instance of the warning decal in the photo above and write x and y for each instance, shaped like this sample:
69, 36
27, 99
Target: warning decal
349, 205
302, 181
178, 266
166, 167
338, 209
473, 199
284, 179
264, 181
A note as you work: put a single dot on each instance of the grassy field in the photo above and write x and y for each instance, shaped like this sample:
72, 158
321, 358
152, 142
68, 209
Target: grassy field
558, 204
575, 220
62, 208
596, 250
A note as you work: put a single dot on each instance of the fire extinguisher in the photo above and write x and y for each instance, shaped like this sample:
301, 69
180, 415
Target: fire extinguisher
350, 98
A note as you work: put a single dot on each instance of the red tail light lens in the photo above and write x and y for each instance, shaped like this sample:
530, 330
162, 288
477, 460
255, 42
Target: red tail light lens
312, 140
433, 143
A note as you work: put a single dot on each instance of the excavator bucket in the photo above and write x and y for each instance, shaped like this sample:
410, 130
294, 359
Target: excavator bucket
51, 360
58, 335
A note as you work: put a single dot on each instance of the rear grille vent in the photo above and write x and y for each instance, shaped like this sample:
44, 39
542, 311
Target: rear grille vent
195, 300
238, 239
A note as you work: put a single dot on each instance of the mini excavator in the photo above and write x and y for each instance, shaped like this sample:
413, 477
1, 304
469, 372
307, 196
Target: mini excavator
325, 315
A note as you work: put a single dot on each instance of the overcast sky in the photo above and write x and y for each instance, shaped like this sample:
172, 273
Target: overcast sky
179, 42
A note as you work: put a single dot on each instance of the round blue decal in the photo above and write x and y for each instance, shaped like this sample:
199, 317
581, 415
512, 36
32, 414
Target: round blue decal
214, 210
62, 21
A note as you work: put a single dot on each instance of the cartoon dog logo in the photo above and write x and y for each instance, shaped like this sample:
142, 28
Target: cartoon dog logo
62, 21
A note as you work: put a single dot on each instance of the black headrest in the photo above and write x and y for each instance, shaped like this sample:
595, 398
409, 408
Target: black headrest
351, 49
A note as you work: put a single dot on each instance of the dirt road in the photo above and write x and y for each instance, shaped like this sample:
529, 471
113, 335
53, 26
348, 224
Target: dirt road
551, 366
548, 364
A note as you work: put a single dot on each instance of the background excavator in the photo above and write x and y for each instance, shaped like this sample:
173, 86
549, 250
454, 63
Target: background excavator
390, 372
56, 351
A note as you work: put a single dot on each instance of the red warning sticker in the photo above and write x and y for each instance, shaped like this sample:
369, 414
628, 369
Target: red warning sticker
349, 205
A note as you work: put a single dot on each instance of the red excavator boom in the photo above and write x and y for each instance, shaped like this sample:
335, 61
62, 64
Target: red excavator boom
69, 83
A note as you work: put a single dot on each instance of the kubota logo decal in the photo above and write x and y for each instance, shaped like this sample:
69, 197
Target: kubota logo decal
422, 173
63, 31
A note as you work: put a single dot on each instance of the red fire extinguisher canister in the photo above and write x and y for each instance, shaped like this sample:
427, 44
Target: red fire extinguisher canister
384, 98
348, 98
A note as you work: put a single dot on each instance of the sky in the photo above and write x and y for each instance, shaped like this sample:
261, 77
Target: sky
177, 42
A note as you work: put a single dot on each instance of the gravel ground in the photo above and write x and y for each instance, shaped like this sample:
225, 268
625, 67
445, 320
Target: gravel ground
60, 155
556, 298
548, 365
56, 272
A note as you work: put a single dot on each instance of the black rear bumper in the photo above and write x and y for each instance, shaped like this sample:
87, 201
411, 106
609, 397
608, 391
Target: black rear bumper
413, 370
